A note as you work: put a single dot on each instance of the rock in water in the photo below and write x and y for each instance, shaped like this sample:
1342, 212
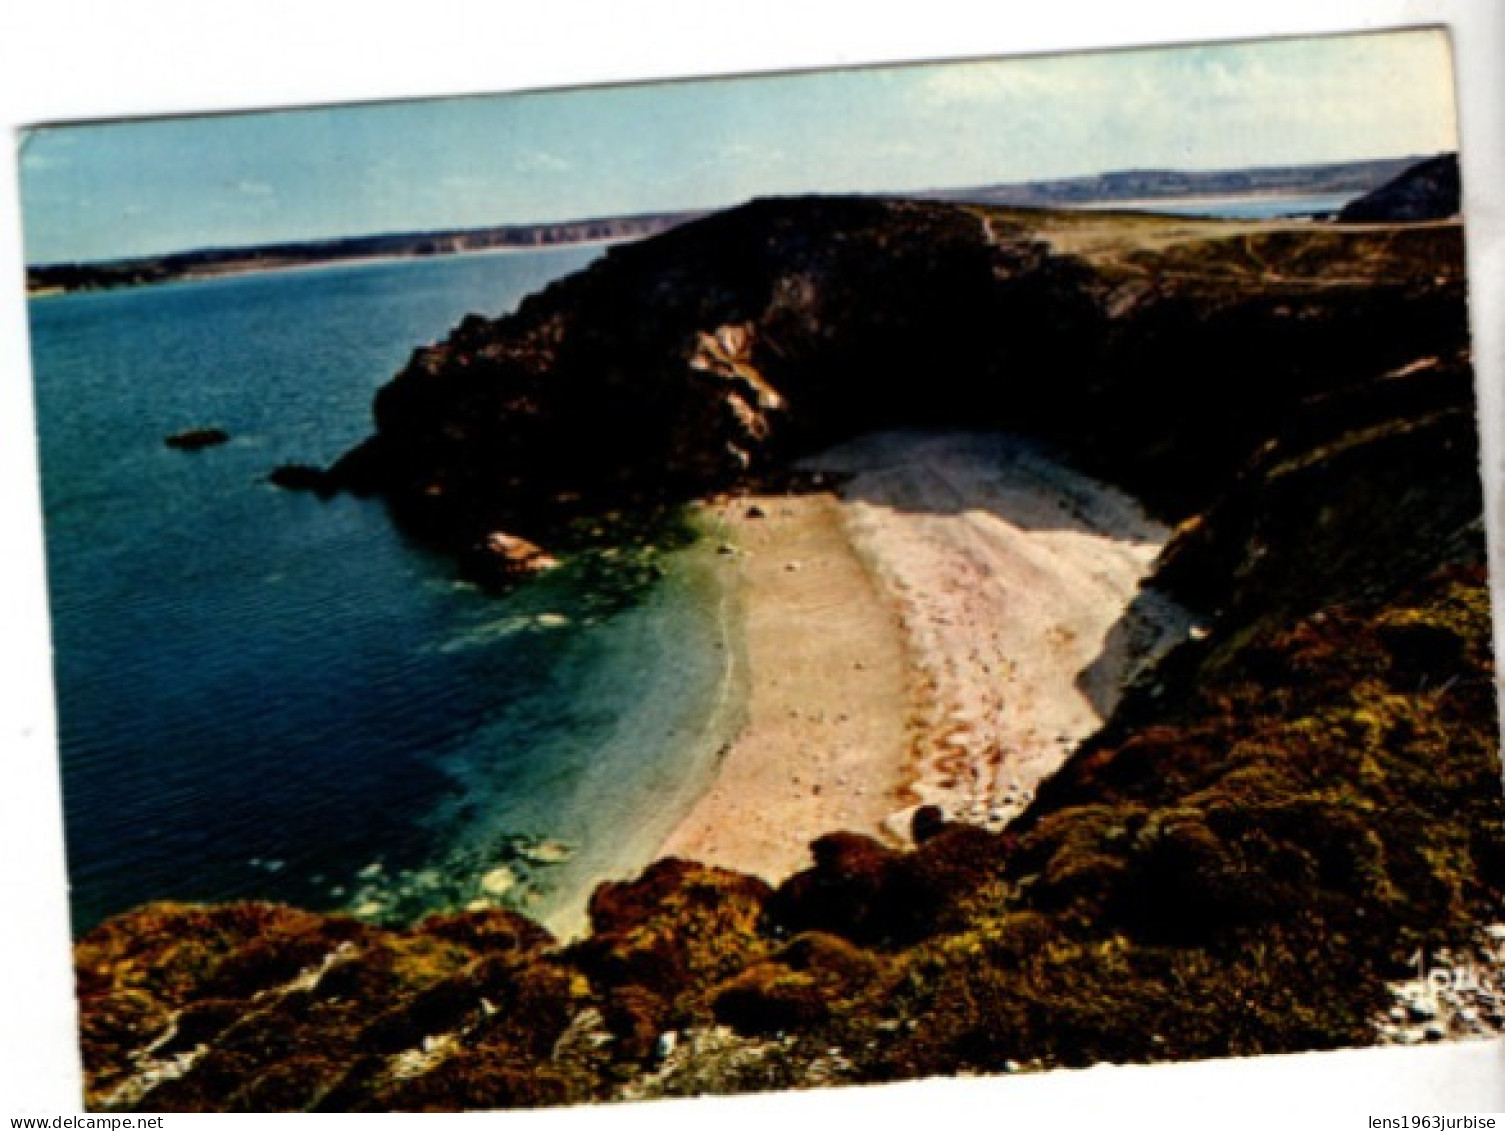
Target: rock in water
499, 881
548, 852
195, 439
507, 558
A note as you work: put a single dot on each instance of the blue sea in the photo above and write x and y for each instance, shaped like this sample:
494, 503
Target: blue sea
1241, 208
263, 695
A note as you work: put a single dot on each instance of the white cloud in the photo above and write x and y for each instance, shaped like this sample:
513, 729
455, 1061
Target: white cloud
540, 161
1239, 104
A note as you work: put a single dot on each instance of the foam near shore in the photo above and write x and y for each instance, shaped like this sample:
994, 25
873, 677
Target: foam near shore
944, 631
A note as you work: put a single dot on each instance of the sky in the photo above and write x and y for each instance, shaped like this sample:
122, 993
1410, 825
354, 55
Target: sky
151, 186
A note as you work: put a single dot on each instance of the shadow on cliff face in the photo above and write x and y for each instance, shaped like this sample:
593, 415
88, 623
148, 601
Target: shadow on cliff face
1132, 649
1357, 492
1025, 483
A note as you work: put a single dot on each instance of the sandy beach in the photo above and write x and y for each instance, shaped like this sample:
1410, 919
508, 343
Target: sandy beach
943, 631
824, 746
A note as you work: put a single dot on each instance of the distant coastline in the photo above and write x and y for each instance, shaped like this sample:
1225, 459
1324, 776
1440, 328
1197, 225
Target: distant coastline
213, 263
1128, 189
1164, 186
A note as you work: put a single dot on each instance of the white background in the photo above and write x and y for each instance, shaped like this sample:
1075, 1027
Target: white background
66, 60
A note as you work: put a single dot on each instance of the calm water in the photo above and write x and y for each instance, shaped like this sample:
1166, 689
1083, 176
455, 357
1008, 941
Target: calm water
1252, 208
262, 695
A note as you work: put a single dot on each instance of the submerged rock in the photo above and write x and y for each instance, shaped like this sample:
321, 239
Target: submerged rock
498, 881
546, 852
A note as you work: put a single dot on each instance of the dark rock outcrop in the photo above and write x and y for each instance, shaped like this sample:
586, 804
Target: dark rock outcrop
196, 439
302, 477
1432, 190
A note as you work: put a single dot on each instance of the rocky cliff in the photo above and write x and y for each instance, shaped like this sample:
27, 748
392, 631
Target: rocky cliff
1158, 354
1241, 861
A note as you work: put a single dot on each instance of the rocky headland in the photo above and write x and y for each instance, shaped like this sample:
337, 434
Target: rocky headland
1431, 190
1156, 354
1245, 858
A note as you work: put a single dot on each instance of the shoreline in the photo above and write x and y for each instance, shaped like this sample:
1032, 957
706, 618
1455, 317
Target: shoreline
823, 747
332, 263
945, 631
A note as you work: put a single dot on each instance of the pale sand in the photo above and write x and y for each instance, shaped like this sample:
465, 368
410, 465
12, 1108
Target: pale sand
1017, 582
945, 633
824, 744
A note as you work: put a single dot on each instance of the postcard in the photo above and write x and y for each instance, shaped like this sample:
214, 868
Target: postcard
763, 583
